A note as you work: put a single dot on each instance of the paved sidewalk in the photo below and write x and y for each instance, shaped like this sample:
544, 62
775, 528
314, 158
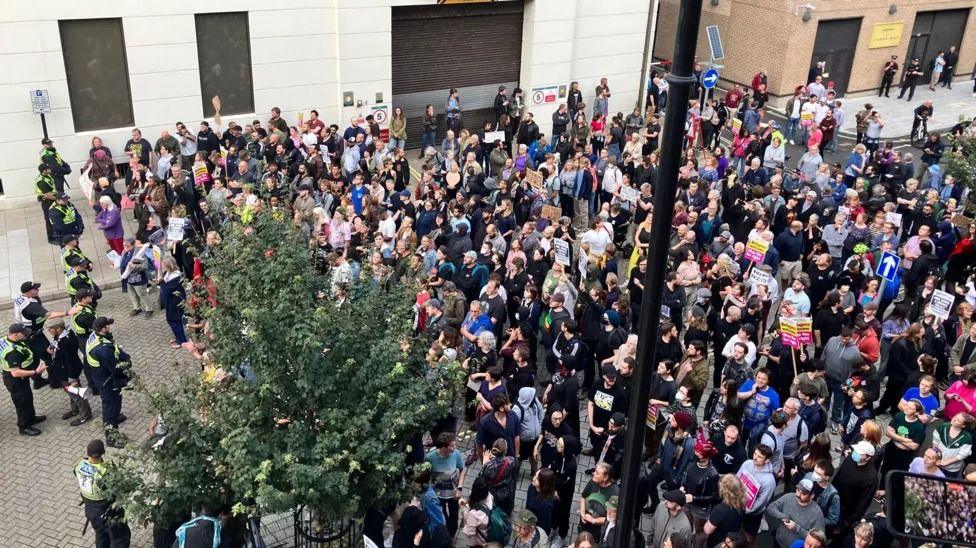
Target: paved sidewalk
898, 114
26, 255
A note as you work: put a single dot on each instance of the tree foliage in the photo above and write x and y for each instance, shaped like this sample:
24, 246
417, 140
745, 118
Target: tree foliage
319, 403
960, 160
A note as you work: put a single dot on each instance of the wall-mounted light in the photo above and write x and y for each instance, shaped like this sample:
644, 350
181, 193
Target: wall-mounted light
807, 11
893, 10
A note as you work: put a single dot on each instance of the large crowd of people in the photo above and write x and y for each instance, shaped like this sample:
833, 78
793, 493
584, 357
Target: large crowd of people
789, 374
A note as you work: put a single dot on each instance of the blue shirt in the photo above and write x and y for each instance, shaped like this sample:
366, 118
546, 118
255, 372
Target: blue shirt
357, 193
930, 403
759, 407
445, 472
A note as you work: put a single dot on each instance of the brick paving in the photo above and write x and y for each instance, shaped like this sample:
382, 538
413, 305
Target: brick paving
39, 506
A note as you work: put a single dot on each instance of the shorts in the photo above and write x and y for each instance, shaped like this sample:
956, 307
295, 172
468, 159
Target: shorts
751, 523
525, 449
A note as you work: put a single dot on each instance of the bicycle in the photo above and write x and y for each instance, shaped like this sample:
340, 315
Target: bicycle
920, 133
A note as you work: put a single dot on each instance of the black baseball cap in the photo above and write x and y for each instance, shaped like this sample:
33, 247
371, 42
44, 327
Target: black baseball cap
84, 293
68, 238
27, 286
76, 260
46, 141
100, 323
42, 167
18, 328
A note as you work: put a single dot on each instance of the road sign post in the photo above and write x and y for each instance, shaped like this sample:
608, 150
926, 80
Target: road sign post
41, 104
888, 265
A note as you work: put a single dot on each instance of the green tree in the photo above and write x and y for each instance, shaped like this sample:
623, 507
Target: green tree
960, 161
319, 402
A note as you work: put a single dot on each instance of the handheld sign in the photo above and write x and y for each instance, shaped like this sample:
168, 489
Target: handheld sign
534, 179
756, 250
629, 194
562, 251
804, 330
761, 278
788, 332
845, 211
888, 265
551, 212
893, 218
175, 229
941, 304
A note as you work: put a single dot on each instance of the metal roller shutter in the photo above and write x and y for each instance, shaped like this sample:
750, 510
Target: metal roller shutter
472, 47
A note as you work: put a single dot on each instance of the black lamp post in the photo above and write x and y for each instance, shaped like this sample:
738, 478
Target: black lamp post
681, 81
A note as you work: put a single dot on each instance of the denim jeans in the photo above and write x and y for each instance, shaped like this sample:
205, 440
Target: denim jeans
428, 139
791, 125
837, 400
398, 143
614, 151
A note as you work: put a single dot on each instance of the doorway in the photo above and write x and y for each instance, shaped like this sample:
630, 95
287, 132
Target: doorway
936, 31
836, 43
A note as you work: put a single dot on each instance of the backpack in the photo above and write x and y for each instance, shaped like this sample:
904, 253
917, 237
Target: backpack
530, 421
815, 418
499, 526
756, 436
195, 529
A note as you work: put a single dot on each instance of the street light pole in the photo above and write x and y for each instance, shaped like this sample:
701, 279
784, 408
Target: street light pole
681, 81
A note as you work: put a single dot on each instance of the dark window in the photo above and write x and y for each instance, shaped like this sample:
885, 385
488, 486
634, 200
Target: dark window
224, 51
98, 75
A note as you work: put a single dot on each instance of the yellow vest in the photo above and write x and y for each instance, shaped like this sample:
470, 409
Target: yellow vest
94, 341
8, 346
89, 476
75, 326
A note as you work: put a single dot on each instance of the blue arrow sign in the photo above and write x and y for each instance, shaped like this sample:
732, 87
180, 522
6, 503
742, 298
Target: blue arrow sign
888, 266
710, 78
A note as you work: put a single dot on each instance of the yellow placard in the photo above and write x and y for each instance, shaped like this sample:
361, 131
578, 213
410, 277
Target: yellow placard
886, 35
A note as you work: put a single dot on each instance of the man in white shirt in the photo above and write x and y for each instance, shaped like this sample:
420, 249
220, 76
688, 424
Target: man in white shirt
597, 237
744, 336
816, 87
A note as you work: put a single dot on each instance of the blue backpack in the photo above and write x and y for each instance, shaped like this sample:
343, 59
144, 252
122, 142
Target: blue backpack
193, 534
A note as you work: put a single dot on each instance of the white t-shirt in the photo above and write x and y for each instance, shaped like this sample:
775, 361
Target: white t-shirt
598, 239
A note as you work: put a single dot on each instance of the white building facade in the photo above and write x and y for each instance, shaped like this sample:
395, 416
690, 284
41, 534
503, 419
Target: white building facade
340, 57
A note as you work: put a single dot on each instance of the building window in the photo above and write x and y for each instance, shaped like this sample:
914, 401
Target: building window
224, 51
98, 75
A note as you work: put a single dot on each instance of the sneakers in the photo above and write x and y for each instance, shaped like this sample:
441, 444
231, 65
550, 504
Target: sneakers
30, 431
135, 312
80, 420
149, 314
114, 438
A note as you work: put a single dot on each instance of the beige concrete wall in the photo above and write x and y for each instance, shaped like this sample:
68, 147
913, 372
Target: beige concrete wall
771, 34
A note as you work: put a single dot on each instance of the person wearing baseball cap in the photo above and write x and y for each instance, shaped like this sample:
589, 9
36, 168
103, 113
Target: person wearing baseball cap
527, 533
64, 217
98, 506
670, 521
104, 357
51, 158
793, 515
18, 364
45, 190
29, 310
79, 279
855, 480
69, 249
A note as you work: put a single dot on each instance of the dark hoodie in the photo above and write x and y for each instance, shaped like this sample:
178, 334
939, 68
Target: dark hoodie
459, 244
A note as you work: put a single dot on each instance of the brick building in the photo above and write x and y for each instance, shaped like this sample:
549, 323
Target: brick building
855, 38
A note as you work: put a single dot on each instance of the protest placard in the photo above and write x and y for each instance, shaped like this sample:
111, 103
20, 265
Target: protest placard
761, 277
941, 304
175, 229
756, 250
534, 179
553, 213
629, 194
562, 251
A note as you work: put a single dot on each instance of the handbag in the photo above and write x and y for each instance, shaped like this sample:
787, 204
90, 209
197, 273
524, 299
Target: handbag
127, 203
